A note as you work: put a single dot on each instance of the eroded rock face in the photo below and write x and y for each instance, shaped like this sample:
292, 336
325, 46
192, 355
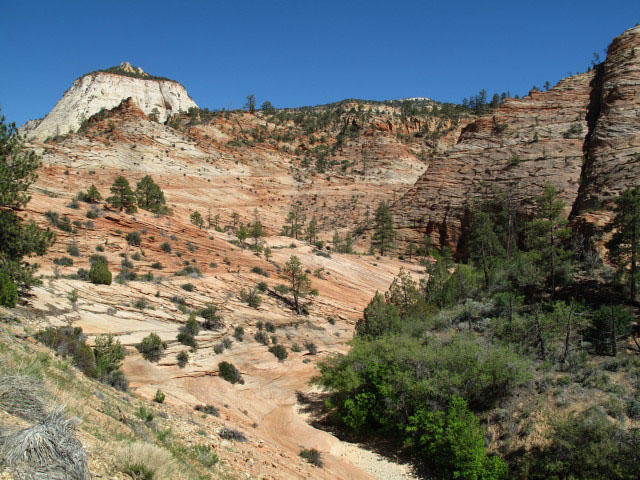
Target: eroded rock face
613, 161
582, 136
95, 91
515, 151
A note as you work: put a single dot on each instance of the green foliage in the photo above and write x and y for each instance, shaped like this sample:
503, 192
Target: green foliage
251, 297
230, 373
196, 219
376, 374
182, 358
313, 456
212, 319
299, 283
109, 354
624, 245
8, 291
485, 246
379, 319
165, 247
384, 235
18, 239
159, 396
151, 347
122, 196
546, 235
150, 197
453, 443
70, 341
133, 238
99, 274
610, 324
584, 447
279, 351
92, 195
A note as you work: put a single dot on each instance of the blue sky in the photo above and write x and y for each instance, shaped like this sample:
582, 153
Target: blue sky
303, 52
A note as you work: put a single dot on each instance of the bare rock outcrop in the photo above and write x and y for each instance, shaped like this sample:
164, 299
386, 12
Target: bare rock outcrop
515, 151
104, 90
582, 136
613, 160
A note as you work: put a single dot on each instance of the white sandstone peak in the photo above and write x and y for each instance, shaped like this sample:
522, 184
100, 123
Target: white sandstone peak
102, 89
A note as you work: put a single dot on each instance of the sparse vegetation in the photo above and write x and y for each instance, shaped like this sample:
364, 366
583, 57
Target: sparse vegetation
230, 373
312, 456
151, 347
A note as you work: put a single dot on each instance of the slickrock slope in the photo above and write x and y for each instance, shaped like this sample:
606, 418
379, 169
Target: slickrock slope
97, 90
613, 161
235, 162
522, 145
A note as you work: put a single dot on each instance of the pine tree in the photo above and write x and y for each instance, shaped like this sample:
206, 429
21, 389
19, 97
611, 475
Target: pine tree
347, 245
403, 291
312, 231
150, 197
294, 222
546, 235
197, 219
485, 245
299, 283
18, 239
383, 233
624, 245
337, 242
92, 195
235, 218
256, 231
122, 197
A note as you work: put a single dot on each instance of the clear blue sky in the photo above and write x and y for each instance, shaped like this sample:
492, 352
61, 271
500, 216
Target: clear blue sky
303, 52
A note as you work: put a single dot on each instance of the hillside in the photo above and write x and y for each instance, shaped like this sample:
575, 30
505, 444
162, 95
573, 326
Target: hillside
492, 334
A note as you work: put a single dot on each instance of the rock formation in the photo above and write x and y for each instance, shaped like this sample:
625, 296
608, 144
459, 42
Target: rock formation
104, 90
582, 136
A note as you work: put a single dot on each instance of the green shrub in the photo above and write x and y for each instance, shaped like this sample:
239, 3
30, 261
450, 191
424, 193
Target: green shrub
279, 351
159, 396
151, 347
311, 347
133, 238
584, 446
261, 337
8, 291
188, 287
70, 341
144, 414
156, 265
205, 456
208, 409
99, 274
187, 339
63, 261
166, 247
212, 319
230, 373
182, 358
73, 250
250, 297
453, 443
238, 333
312, 456
109, 353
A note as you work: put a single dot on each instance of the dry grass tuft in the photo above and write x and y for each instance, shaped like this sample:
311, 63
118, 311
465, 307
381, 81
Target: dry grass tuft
21, 395
146, 461
47, 450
